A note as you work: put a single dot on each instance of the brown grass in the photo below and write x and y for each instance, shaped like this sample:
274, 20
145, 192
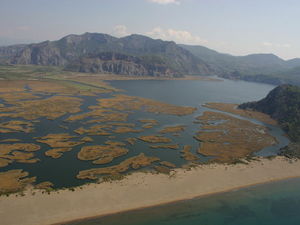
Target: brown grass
16, 126
129, 103
135, 162
173, 129
170, 146
14, 181
232, 108
51, 108
232, 139
155, 139
187, 154
102, 154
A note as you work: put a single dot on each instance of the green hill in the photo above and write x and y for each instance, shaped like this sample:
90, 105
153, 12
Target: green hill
282, 104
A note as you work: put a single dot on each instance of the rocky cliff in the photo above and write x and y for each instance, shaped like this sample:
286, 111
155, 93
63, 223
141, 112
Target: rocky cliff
93, 52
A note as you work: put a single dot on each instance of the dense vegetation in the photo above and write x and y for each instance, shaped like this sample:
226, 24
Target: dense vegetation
282, 104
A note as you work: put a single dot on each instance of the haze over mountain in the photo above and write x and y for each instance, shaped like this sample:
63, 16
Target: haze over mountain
267, 68
141, 55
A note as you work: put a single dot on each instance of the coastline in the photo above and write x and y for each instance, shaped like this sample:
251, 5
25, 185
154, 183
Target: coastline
140, 190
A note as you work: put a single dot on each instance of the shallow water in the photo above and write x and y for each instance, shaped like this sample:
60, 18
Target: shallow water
269, 204
62, 172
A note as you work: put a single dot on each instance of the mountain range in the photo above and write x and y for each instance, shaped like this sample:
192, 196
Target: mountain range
140, 55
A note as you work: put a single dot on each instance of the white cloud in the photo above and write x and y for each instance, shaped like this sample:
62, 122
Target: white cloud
276, 45
166, 2
179, 36
120, 31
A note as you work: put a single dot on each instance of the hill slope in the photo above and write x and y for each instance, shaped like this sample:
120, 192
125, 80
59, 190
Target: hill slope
94, 52
282, 104
267, 68
141, 55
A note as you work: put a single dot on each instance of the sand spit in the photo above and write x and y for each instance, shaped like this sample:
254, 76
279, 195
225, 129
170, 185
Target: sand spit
140, 190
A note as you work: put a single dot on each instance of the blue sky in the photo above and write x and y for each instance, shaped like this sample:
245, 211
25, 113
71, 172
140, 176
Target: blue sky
237, 27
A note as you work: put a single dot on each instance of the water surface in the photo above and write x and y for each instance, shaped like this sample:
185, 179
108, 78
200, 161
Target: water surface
269, 204
62, 172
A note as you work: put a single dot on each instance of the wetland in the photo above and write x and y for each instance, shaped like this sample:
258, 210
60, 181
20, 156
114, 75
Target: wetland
57, 135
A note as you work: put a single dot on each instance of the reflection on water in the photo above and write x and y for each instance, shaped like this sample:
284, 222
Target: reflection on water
269, 204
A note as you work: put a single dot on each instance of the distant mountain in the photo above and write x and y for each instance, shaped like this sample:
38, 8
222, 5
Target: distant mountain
93, 52
267, 68
140, 55
282, 104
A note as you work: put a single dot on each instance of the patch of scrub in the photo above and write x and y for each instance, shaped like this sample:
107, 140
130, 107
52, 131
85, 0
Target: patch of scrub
131, 140
59, 143
167, 164
87, 139
46, 185
187, 154
129, 103
120, 130
100, 115
16, 126
242, 137
51, 108
18, 152
57, 152
102, 154
148, 123
155, 139
12, 97
14, 180
10, 140
173, 129
94, 130
59, 140
162, 169
135, 162
169, 146
233, 108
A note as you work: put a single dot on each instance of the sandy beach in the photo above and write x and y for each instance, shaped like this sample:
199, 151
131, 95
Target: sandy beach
140, 190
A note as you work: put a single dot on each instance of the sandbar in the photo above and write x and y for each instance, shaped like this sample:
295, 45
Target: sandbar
140, 190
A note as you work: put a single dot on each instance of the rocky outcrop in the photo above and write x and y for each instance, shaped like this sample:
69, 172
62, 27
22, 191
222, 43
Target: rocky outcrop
117, 63
93, 52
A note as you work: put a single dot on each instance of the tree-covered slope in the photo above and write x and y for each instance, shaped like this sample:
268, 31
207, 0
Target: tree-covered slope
282, 104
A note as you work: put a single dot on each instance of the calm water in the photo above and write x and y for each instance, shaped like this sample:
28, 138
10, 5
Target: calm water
269, 204
62, 172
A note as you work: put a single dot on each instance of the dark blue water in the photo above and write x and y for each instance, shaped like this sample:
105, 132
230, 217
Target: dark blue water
269, 204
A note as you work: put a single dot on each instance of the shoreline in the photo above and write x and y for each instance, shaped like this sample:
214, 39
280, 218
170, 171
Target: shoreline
175, 201
140, 190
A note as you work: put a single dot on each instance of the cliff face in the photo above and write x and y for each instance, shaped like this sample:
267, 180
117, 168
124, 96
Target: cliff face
117, 63
92, 52
282, 104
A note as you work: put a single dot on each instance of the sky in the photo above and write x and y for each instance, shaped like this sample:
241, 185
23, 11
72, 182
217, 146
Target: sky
237, 27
